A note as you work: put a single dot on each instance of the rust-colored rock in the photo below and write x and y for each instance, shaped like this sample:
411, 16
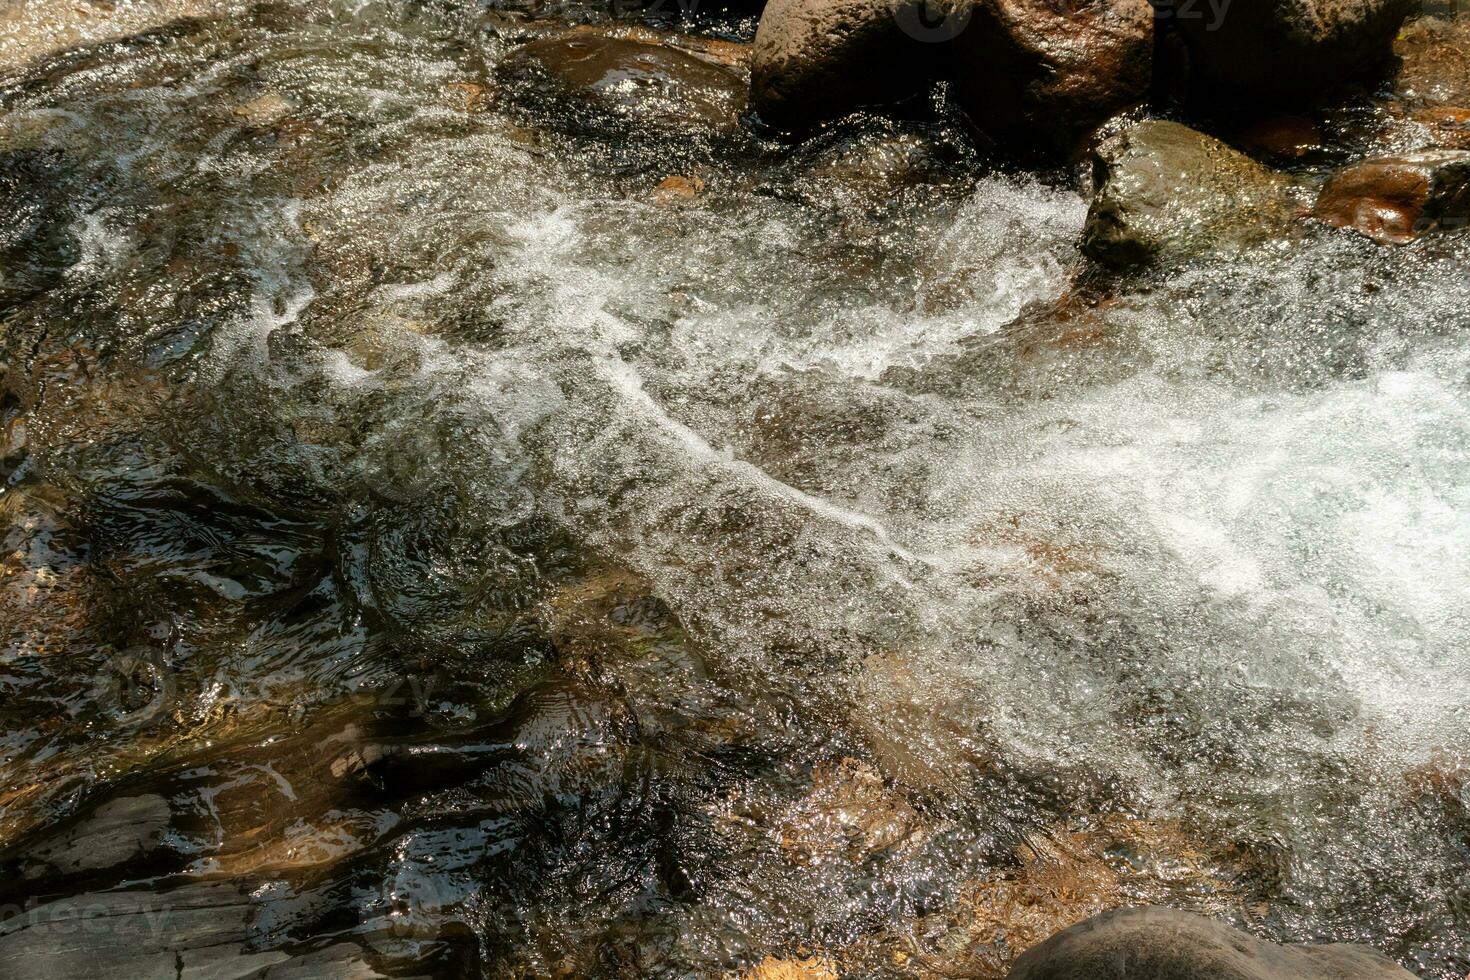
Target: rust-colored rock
1052, 70
677, 189
1395, 199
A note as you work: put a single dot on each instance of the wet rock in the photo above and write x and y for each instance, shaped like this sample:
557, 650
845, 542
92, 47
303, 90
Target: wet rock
1168, 193
267, 110
1250, 51
1065, 874
1039, 70
1161, 944
1435, 61
817, 59
1448, 126
804, 968
637, 78
120, 831
850, 813
31, 30
1282, 136
199, 930
677, 189
1395, 199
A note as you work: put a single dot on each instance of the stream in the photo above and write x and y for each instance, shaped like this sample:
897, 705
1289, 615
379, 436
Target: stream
436, 543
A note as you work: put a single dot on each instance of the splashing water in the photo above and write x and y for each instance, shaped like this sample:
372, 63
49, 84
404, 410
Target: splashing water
522, 563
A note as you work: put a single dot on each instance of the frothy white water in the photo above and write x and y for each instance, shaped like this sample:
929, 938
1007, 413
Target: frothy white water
1203, 539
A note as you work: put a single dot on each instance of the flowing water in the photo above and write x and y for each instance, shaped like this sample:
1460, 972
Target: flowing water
431, 549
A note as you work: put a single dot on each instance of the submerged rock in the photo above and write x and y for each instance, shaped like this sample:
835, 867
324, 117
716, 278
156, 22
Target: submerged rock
1162, 944
677, 189
1395, 199
1168, 192
1297, 50
817, 59
1029, 70
807, 968
637, 77
267, 110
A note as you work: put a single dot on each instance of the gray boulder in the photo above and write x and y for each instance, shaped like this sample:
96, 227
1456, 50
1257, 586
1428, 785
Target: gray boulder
1162, 944
1167, 193
1243, 51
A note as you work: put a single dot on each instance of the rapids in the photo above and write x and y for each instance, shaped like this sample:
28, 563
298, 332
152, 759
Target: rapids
487, 566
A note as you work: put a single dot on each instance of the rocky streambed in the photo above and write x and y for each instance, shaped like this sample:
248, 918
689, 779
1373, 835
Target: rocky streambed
499, 491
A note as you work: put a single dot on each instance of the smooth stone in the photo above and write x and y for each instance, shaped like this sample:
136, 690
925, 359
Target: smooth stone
1394, 200
638, 78
1153, 943
198, 930
1253, 51
1168, 192
119, 831
818, 59
1047, 72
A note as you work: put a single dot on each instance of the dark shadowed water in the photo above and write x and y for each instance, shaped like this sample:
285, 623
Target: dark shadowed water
430, 550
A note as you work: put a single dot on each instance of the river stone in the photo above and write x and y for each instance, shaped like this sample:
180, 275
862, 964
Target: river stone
1244, 51
817, 59
1167, 192
637, 78
1434, 61
1052, 70
1394, 199
1161, 944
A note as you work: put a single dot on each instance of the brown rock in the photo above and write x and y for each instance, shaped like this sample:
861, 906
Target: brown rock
474, 94
638, 78
267, 110
808, 968
849, 813
1282, 136
1435, 57
676, 189
1247, 51
1052, 70
1395, 199
817, 59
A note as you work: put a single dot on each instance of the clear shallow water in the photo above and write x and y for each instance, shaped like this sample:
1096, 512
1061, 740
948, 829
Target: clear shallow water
432, 552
